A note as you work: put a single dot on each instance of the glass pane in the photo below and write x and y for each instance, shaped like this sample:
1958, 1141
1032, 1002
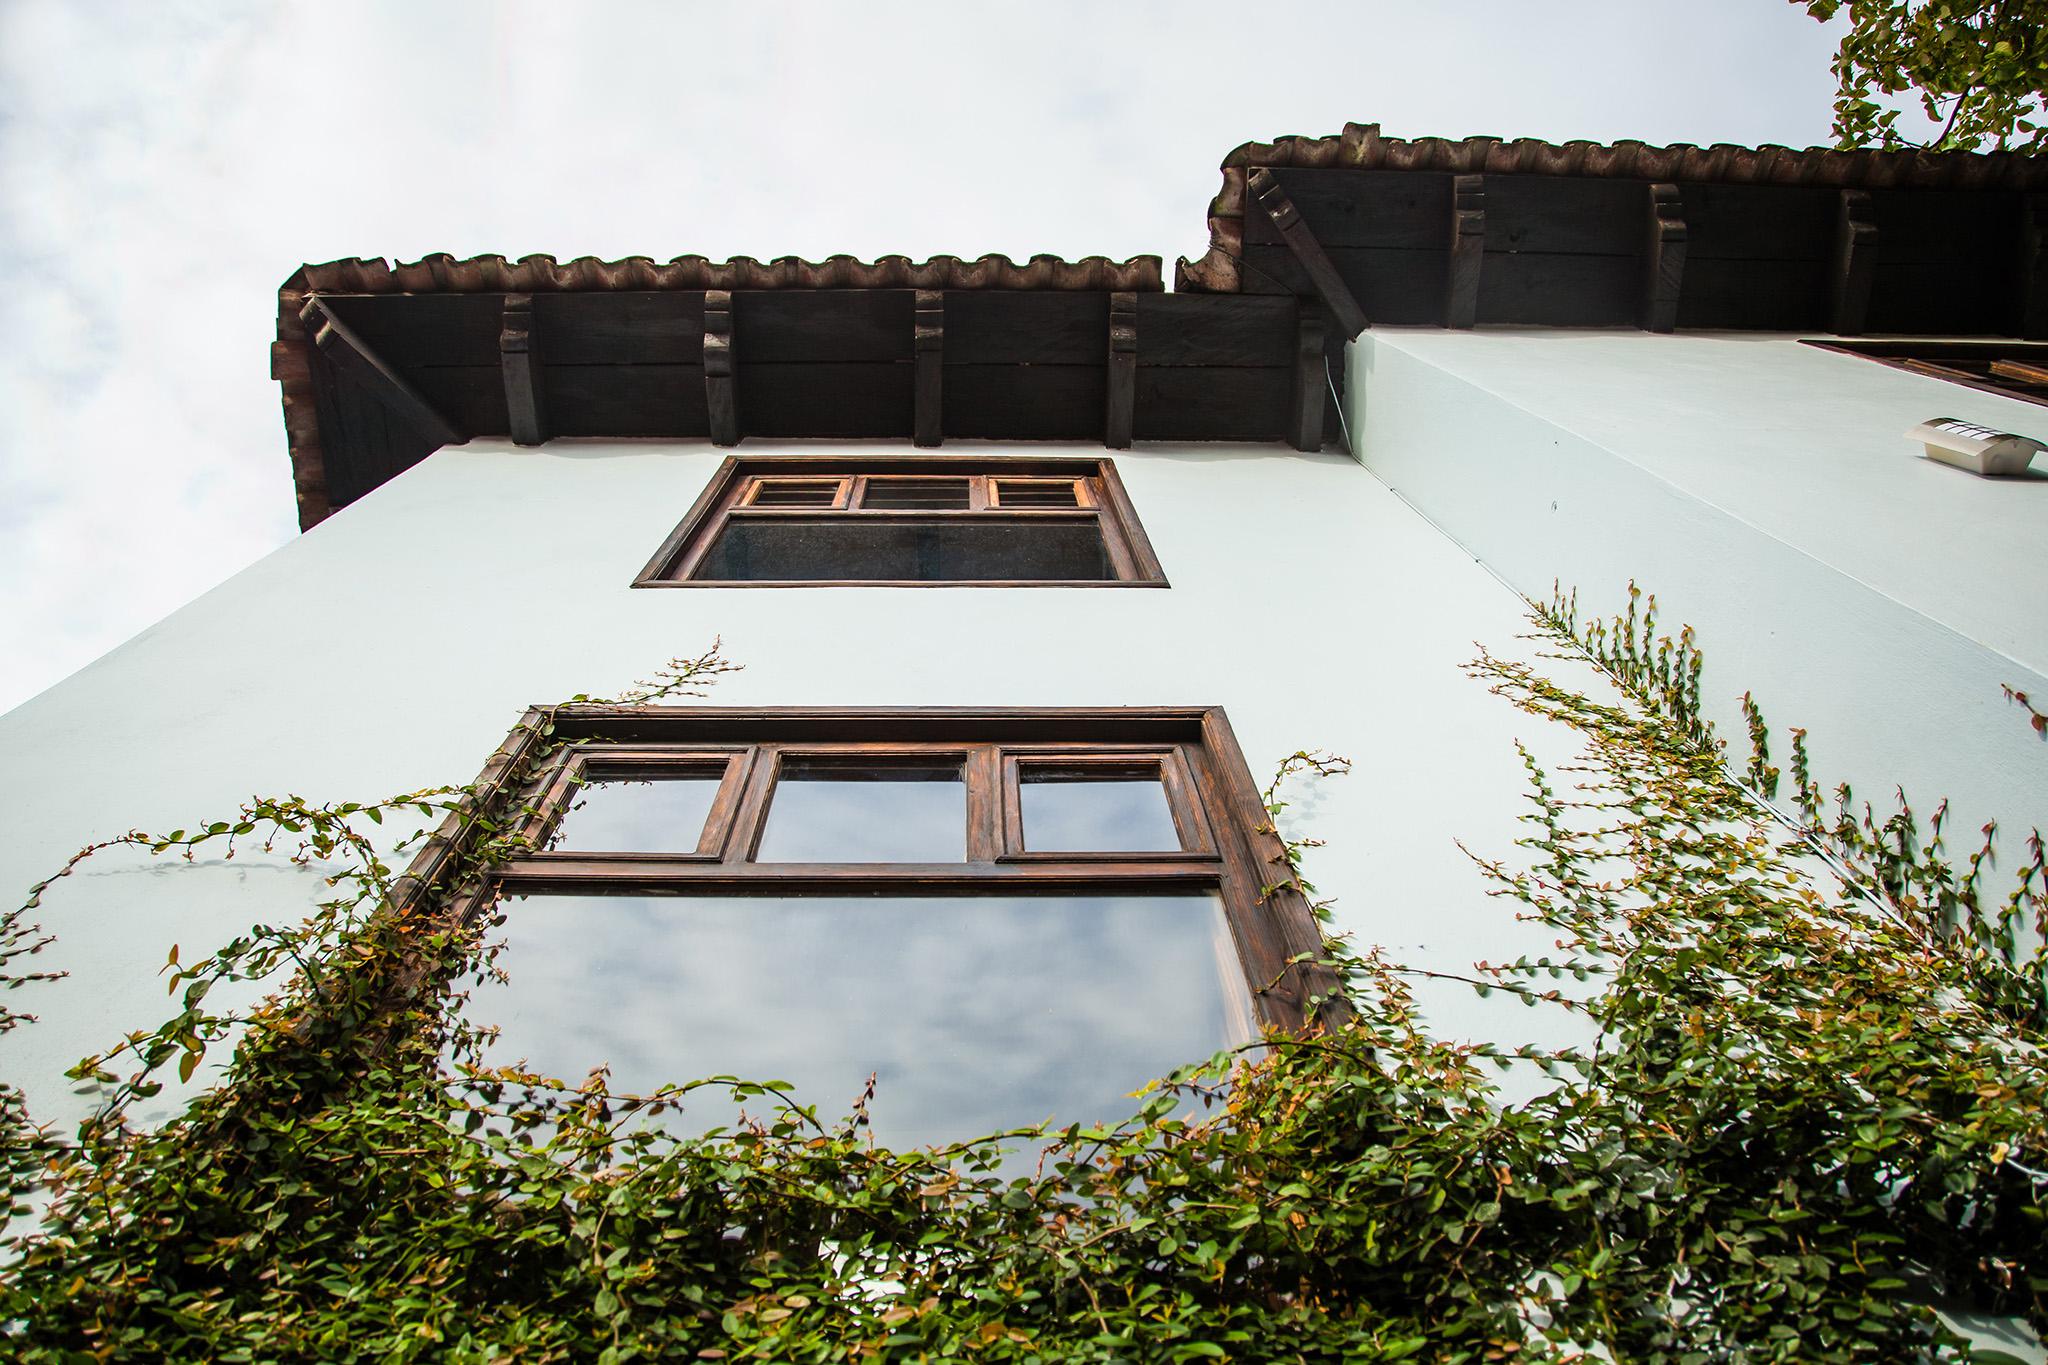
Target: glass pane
973, 1013
886, 813
1075, 812
916, 493
795, 493
983, 547
659, 815
1036, 493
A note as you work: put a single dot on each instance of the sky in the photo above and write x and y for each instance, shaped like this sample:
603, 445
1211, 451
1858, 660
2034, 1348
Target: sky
165, 165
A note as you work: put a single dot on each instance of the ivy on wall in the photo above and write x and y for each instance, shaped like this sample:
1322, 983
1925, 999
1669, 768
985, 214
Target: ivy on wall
1814, 1103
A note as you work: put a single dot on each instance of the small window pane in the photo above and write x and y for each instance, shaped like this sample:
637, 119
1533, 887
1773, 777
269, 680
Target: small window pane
795, 493
982, 548
658, 815
916, 493
1036, 493
886, 813
974, 1013
1075, 811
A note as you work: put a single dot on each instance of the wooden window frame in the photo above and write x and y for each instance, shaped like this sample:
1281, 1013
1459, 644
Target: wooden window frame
1937, 359
1228, 845
1099, 496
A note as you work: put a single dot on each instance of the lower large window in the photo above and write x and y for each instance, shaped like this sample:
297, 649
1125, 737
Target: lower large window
1000, 916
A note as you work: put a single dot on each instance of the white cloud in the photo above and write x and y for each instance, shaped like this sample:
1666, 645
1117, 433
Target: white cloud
163, 166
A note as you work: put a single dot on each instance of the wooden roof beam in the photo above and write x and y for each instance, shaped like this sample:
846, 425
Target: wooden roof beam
1123, 371
1468, 250
1336, 295
1854, 265
1663, 259
928, 345
721, 395
1311, 382
519, 362
339, 343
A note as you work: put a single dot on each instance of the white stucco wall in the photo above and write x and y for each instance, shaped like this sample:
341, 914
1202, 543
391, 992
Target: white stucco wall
1763, 490
394, 646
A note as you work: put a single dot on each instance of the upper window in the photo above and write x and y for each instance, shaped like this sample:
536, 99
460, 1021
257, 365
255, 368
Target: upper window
2016, 368
1001, 916
805, 521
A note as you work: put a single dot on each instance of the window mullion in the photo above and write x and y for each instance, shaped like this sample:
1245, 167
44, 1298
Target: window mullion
985, 804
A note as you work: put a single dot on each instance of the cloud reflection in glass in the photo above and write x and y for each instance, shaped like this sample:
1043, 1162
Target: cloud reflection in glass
976, 1013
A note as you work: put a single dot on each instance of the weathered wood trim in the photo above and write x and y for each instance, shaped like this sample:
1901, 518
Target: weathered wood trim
928, 345
1663, 258
1468, 250
346, 350
1311, 382
1287, 220
1854, 265
1122, 399
720, 391
520, 359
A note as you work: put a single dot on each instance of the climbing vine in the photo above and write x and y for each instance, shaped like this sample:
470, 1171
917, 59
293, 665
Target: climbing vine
1808, 1108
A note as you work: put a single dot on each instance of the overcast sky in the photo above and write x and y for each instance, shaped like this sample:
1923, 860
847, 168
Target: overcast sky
165, 165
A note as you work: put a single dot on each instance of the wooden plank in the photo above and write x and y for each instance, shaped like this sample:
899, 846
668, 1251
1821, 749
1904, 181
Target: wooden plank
1329, 286
1567, 215
1944, 225
1031, 327
1663, 258
519, 347
928, 342
838, 400
631, 327
1305, 412
1954, 298
1853, 264
351, 357
1397, 209
1778, 296
627, 400
1467, 251
471, 397
1201, 403
1757, 222
812, 326
2033, 274
721, 399
1120, 380
1026, 402
1534, 288
1216, 329
1394, 286
423, 329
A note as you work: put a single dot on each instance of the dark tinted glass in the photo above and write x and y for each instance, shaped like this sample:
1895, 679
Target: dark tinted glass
661, 815
889, 813
1077, 813
1036, 493
916, 493
973, 1013
795, 493
983, 547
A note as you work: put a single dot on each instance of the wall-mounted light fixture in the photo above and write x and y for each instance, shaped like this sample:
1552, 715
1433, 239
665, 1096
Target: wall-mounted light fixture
1980, 450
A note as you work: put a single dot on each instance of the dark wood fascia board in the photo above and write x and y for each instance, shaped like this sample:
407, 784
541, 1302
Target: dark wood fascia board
896, 363
1362, 147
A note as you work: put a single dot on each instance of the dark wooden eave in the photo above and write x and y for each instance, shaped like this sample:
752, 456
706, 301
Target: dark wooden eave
1484, 230
383, 364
